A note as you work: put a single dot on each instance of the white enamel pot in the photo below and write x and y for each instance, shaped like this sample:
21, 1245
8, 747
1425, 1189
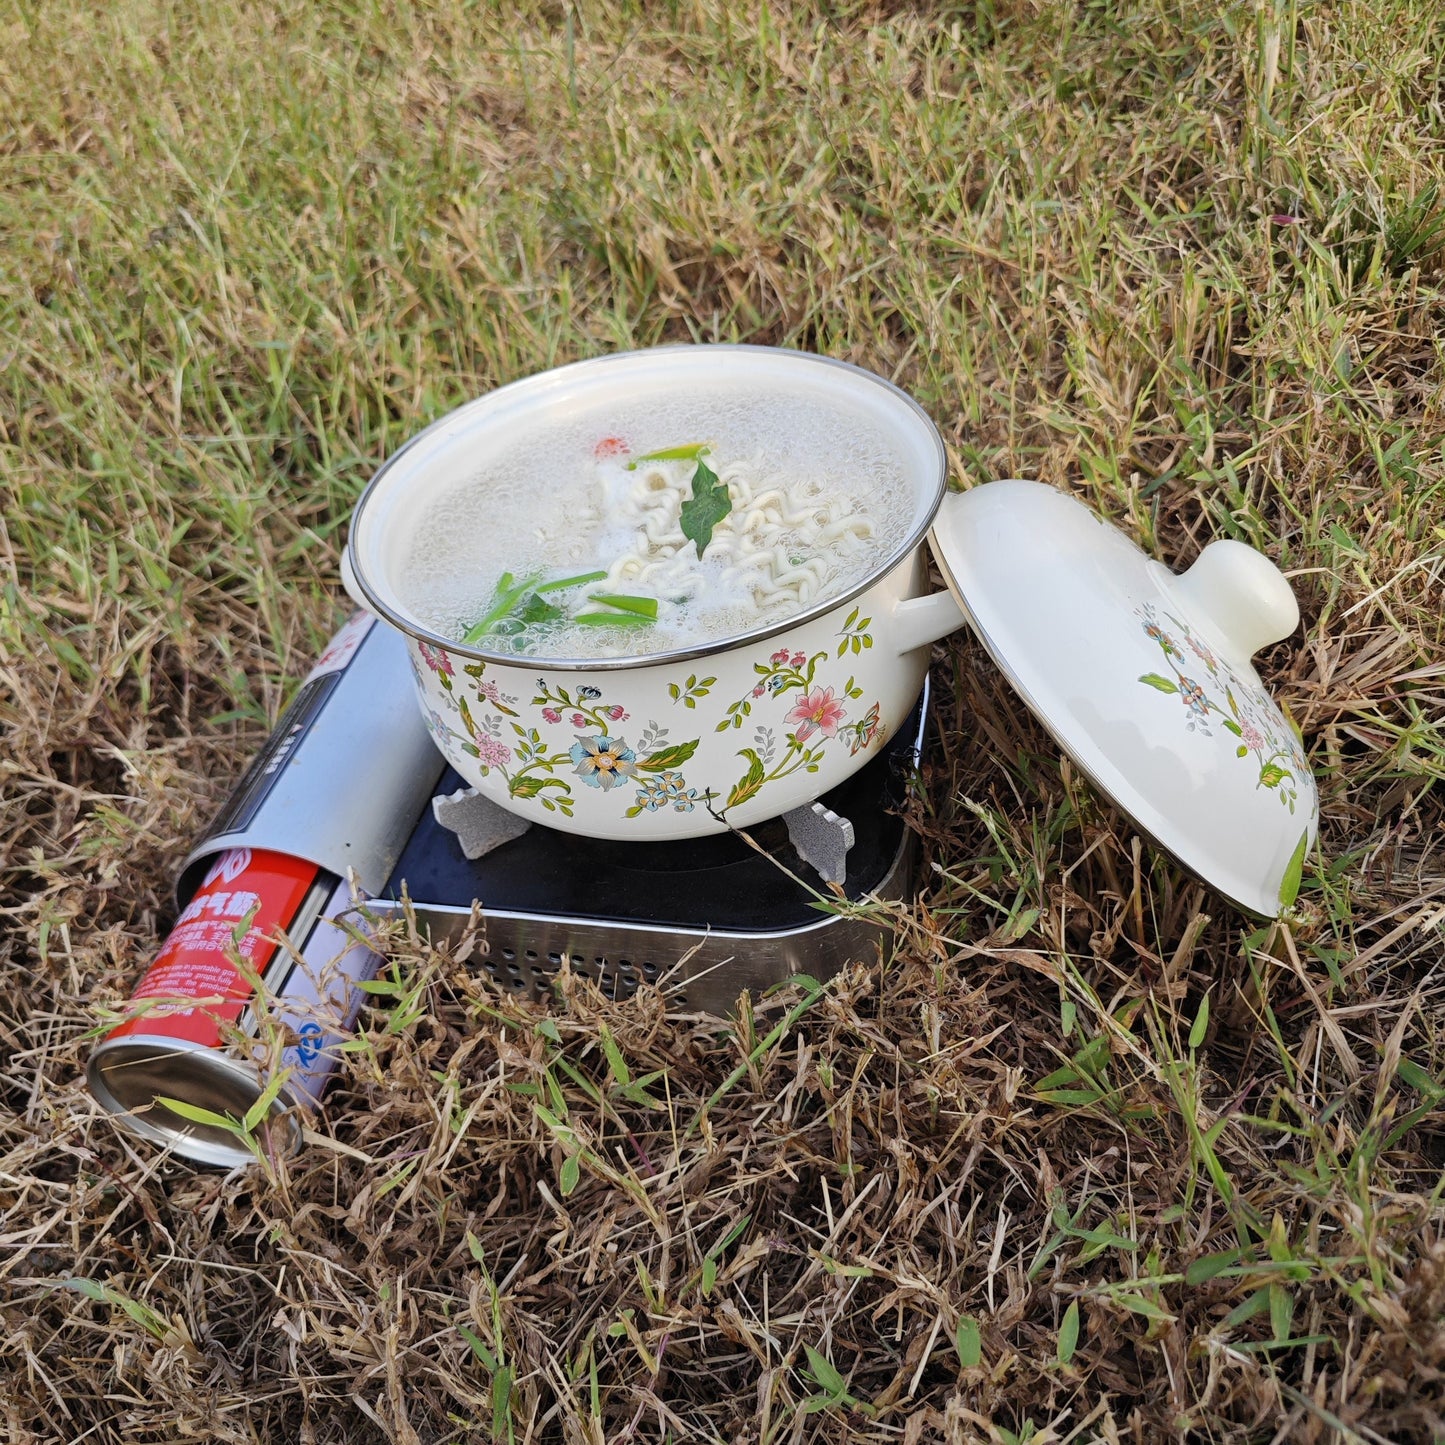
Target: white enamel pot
674, 744
1143, 677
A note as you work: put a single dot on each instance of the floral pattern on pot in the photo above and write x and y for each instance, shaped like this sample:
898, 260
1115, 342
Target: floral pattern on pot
573, 736
817, 715
1246, 712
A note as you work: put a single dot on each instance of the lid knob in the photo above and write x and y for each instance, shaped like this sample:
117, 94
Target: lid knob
1242, 594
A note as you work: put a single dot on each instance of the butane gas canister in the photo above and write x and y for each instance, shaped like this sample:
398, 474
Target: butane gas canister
258, 984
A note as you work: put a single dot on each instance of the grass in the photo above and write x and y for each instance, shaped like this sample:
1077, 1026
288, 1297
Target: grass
1096, 1158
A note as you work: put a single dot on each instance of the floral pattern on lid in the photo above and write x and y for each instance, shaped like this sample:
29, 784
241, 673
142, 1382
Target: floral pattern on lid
1143, 676
1246, 714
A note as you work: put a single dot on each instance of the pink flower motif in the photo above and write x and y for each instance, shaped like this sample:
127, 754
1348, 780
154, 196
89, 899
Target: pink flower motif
436, 658
817, 711
799, 659
551, 714
578, 721
617, 714
779, 657
1202, 653
490, 752
488, 690
758, 690
1251, 737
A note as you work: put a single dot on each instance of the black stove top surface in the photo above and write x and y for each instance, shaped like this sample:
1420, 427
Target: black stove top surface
717, 882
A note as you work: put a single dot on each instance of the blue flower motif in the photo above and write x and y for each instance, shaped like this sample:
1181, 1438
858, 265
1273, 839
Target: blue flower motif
652, 795
682, 798
438, 726
603, 762
667, 788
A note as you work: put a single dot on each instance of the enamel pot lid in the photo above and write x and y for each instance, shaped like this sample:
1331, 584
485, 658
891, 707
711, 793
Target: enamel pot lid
1144, 677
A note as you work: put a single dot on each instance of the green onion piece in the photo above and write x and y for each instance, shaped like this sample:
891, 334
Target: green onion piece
508, 593
671, 454
643, 606
564, 582
612, 619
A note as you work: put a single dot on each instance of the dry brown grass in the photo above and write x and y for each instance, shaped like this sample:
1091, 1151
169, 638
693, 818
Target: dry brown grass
1183, 259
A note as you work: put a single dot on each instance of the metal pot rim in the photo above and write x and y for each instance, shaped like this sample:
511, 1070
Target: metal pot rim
420, 633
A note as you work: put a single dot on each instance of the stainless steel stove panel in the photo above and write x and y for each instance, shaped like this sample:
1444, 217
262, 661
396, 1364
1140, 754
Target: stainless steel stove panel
526, 952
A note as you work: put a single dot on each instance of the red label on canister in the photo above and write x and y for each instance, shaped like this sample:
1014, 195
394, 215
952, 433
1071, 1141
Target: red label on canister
195, 972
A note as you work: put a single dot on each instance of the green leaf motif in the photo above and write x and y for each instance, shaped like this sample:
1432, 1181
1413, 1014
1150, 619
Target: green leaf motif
707, 506
1233, 727
666, 759
526, 787
1163, 684
751, 782
1271, 775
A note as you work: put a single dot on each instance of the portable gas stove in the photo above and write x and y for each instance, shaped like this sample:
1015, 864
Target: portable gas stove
361, 788
712, 915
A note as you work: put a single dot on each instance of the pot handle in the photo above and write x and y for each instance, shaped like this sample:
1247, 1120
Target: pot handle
918, 621
349, 582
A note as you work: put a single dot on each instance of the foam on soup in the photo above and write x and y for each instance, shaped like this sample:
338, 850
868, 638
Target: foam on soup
818, 496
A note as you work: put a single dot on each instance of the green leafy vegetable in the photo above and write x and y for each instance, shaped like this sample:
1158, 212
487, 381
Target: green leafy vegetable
612, 619
534, 609
707, 506
691, 453
563, 582
504, 598
643, 606
520, 602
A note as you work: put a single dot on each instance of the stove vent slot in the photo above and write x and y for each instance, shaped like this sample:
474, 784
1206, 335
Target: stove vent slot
532, 970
